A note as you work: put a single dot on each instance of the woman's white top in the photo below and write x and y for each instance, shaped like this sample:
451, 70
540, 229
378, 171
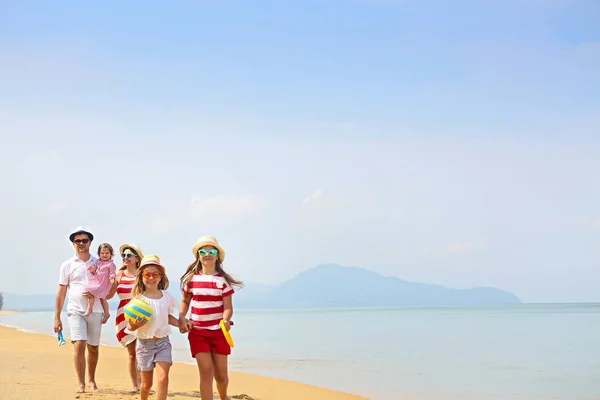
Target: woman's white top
158, 326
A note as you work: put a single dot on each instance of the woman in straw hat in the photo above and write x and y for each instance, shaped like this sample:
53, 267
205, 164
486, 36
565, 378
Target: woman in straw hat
208, 289
132, 256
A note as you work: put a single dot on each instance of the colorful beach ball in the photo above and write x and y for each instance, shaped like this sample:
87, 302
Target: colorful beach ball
137, 308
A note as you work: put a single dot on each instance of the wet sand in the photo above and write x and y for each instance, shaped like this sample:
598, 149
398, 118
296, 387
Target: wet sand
33, 367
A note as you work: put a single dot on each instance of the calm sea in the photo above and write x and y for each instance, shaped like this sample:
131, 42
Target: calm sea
521, 352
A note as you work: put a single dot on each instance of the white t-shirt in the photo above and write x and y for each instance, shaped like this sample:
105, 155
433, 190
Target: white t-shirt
74, 275
159, 322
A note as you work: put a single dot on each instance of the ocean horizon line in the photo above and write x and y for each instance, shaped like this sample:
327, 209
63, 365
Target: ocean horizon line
353, 307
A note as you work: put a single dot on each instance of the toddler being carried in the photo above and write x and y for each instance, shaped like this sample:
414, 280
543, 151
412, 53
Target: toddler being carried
103, 274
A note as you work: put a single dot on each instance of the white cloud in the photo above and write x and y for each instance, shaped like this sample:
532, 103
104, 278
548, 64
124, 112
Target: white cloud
465, 247
225, 207
316, 195
162, 223
54, 209
592, 222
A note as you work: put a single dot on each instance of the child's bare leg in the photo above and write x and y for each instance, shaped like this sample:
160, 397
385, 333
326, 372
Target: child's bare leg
162, 380
205, 367
106, 310
89, 307
221, 375
146, 384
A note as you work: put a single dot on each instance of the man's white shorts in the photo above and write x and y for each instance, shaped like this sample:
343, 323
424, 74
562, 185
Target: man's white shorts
85, 328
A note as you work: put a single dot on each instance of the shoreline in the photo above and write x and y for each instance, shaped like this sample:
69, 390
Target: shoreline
38, 369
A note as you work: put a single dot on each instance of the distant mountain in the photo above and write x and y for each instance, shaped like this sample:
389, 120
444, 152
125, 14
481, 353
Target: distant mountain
332, 285
328, 285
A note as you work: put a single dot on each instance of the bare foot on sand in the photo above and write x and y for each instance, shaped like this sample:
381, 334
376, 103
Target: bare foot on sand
134, 390
93, 386
80, 389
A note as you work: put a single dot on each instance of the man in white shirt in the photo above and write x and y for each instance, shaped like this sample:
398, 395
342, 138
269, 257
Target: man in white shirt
85, 331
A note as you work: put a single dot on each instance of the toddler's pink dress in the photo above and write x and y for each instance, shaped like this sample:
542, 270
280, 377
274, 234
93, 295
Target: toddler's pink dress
98, 282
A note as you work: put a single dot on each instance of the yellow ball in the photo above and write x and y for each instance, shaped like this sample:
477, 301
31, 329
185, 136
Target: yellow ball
137, 308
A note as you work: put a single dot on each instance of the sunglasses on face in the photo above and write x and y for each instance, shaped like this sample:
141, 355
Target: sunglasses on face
204, 252
127, 255
149, 275
81, 241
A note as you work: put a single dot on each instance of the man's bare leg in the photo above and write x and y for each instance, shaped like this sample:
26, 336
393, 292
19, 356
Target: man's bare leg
79, 360
92, 363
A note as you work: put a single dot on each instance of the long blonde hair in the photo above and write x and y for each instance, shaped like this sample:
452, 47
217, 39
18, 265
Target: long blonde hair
140, 288
196, 266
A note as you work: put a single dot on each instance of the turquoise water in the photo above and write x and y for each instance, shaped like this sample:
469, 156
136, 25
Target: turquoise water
521, 352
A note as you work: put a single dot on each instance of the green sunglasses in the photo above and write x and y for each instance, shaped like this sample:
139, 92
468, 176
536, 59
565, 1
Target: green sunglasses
212, 252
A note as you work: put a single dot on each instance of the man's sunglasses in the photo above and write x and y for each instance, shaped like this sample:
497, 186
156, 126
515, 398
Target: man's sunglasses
127, 255
81, 241
204, 252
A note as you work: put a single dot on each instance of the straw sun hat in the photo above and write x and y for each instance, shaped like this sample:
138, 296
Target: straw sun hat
134, 247
208, 241
151, 259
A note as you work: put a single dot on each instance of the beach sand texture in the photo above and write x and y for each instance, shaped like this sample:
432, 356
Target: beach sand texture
33, 367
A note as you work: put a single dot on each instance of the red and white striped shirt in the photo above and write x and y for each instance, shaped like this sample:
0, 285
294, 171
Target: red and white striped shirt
124, 291
206, 304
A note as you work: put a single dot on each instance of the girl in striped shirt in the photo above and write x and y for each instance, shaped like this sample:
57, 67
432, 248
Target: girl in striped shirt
132, 256
207, 288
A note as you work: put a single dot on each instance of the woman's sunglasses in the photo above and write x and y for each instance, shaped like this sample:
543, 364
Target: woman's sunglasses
127, 255
204, 252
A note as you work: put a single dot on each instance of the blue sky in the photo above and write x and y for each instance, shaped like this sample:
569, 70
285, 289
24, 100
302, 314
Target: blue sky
450, 144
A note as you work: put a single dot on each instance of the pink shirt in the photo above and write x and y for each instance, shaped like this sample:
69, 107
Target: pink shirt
99, 279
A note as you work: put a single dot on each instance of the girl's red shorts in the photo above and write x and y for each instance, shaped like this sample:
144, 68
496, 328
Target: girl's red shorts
205, 340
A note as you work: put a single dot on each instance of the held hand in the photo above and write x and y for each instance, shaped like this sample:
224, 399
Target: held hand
183, 325
57, 325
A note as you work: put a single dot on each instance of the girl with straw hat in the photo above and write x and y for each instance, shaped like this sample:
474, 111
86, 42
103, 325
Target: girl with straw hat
153, 345
208, 289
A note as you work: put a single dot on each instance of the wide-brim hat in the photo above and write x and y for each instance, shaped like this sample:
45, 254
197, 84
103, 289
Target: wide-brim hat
78, 230
133, 247
208, 241
151, 259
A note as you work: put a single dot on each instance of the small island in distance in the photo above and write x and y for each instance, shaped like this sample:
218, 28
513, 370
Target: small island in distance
331, 285
326, 285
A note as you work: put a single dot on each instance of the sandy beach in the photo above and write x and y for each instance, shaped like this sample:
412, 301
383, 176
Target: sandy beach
34, 367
